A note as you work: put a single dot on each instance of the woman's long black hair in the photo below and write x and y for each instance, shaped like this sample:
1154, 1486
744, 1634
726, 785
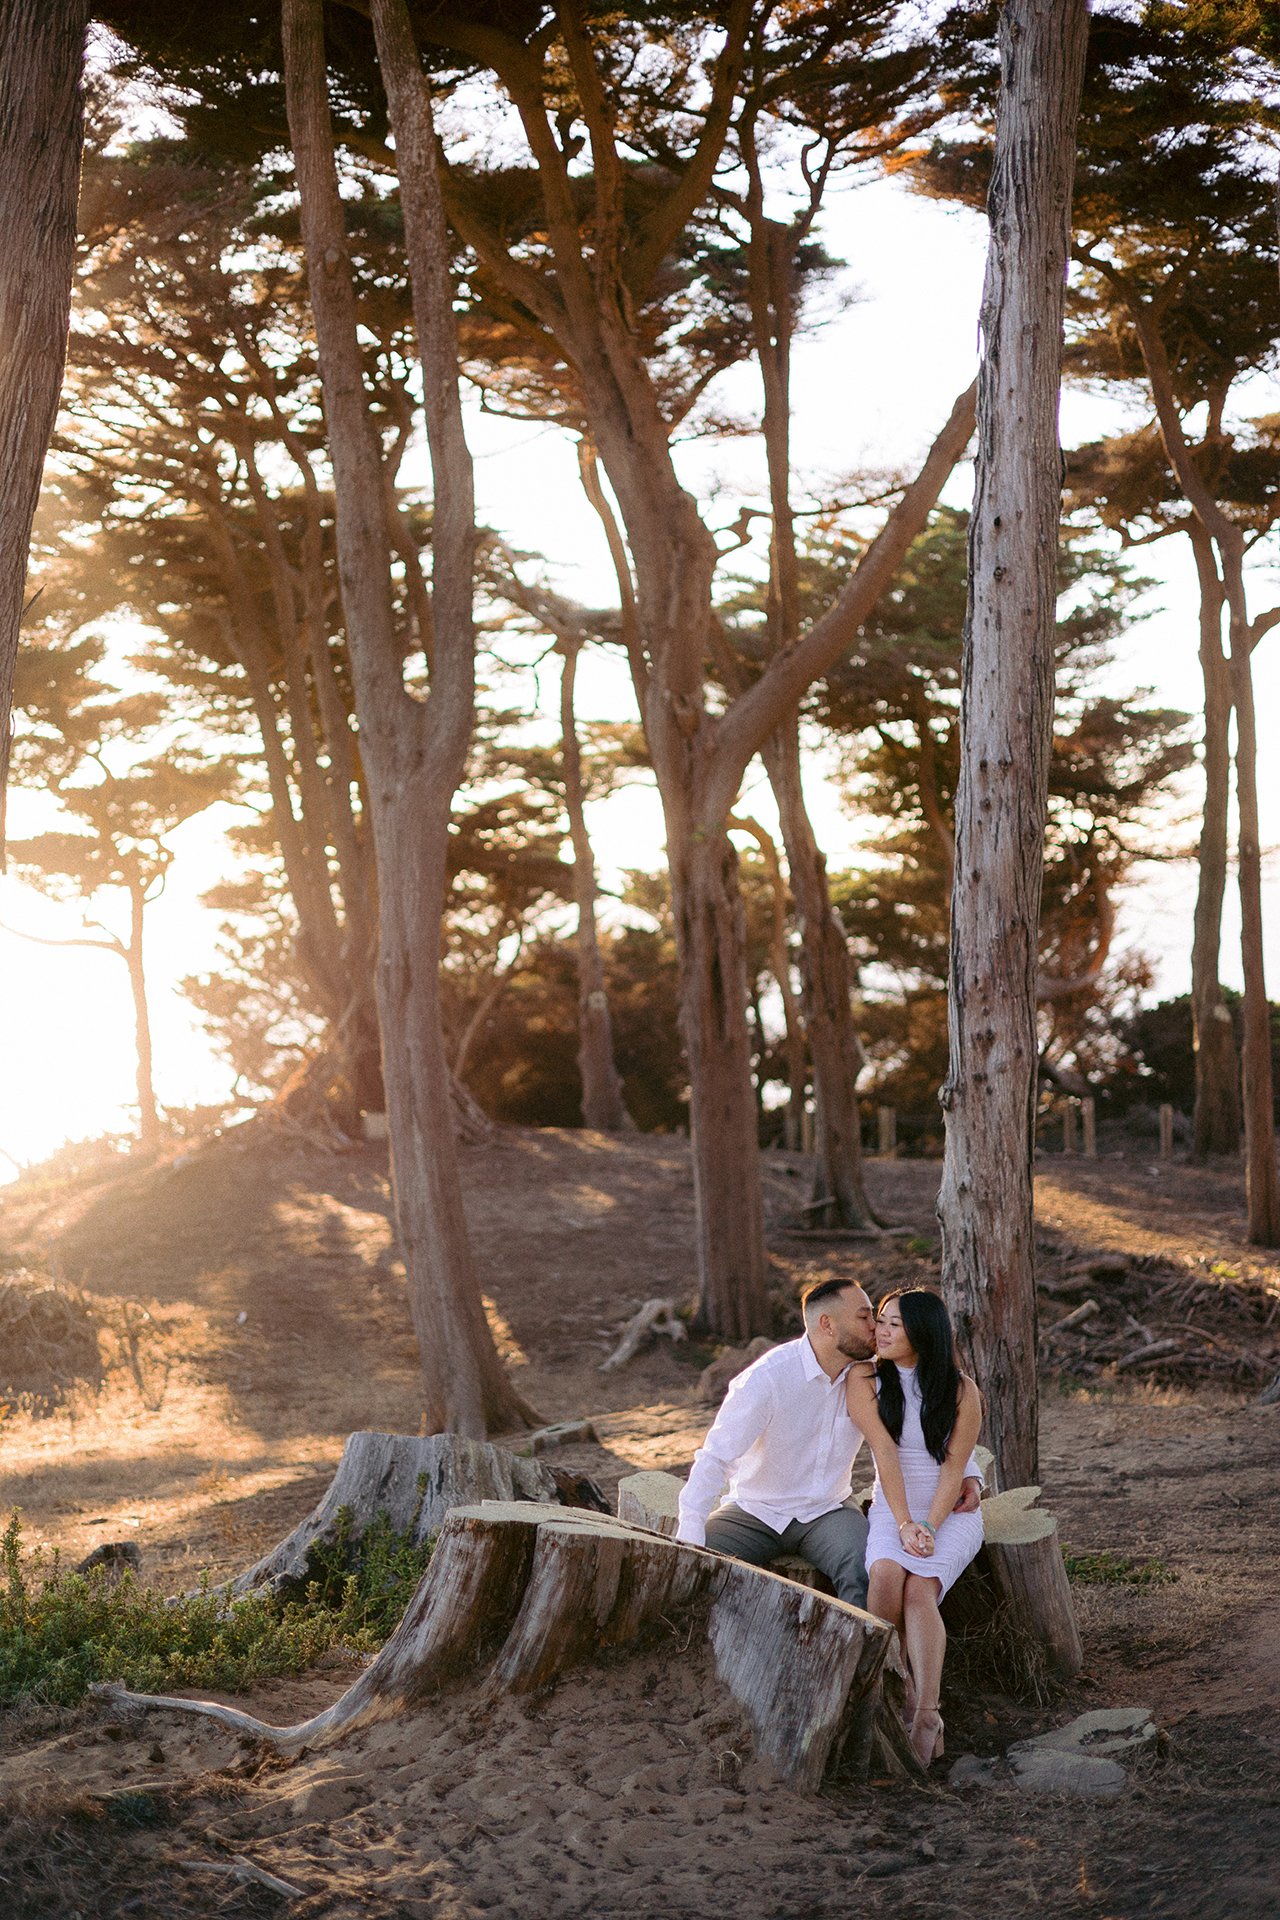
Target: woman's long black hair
927, 1325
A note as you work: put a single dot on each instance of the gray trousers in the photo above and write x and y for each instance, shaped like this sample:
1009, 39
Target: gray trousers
835, 1543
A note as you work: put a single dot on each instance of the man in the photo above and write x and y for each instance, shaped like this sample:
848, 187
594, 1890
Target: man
784, 1442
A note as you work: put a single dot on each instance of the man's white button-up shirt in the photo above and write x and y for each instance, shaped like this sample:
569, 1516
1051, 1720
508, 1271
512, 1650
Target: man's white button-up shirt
783, 1441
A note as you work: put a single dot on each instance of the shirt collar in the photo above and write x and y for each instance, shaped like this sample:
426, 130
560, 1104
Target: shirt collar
813, 1367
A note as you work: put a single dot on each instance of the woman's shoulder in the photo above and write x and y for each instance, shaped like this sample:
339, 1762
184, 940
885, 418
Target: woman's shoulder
968, 1391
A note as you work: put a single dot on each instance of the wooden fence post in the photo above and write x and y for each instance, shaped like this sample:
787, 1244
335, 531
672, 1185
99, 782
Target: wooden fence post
1069, 1127
1089, 1116
1166, 1131
887, 1118
806, 1128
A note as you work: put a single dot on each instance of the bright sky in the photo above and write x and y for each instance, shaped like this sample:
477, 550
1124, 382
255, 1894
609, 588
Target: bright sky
870, 389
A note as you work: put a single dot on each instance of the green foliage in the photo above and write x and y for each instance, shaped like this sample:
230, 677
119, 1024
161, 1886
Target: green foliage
60, 1631
1108, 1569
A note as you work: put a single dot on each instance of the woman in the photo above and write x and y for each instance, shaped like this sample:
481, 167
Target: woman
921, 1416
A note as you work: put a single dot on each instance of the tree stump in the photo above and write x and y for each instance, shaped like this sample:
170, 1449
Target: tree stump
520, 1592
1019, 1582
413, 1481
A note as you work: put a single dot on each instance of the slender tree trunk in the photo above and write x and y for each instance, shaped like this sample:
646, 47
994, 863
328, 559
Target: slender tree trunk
41, 128
1216, 1126
1006, 717
780, 964
827, 980
1261, 1183
603, 1106
148, 1114
414, 755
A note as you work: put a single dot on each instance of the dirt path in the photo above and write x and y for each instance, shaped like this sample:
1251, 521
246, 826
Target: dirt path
278, 1325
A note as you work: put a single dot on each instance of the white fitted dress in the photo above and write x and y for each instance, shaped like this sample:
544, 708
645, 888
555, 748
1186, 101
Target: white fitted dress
960, 1534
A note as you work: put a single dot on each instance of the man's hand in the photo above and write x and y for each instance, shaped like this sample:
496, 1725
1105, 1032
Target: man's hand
970, 1496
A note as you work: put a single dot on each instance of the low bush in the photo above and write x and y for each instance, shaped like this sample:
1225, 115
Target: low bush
61, 1630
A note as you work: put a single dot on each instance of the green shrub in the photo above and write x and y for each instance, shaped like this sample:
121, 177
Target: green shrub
60, 1631
1108, 1569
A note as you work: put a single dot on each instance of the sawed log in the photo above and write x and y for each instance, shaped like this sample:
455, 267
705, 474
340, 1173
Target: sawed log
521, 1592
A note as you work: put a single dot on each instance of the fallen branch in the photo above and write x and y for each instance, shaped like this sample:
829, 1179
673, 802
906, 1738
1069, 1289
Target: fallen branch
654, 1317
238, 1868
1076, 1319
1150, 1350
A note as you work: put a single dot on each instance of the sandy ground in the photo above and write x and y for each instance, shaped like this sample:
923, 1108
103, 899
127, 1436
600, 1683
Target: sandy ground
277, 1324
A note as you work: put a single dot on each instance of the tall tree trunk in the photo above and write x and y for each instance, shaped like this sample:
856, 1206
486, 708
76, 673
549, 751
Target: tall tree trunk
1216, 1127
1006, 716
699, 757
603, 1106
1261, 1183
148, 1115
733, 1299
414, 754
41, 129
827, 981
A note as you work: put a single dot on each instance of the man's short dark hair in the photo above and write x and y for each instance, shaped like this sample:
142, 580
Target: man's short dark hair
824, 1290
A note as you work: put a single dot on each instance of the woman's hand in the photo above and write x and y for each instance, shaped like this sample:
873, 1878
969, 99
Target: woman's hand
917, 1538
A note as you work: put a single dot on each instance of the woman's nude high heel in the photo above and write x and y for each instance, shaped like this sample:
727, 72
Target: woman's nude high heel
926, 1735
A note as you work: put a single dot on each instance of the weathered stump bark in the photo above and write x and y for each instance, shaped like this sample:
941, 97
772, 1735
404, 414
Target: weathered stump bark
1019, 1580
528, 1591
413, 1482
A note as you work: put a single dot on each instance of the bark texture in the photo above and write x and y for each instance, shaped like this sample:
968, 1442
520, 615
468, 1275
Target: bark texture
985, 1205
41, 131
603, 1106
826, 976
1216, 1125
413, 754
412, 1482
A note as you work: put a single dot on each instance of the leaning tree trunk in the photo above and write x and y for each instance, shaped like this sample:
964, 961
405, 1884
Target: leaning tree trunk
826, 979
1006, 716
1216, 1126
413, 755
41, 128
603, 1106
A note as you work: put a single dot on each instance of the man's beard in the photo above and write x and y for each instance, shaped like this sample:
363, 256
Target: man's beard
857, 1347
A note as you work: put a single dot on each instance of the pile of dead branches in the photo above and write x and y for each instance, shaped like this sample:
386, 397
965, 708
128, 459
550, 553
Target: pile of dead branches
48, 1343
1148, 1317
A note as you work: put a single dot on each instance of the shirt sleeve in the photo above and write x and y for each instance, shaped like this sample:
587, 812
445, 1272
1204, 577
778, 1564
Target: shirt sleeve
746, 1412
973, 1471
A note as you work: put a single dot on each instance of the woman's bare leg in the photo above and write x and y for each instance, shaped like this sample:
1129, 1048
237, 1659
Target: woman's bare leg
885, 1581
926, 1644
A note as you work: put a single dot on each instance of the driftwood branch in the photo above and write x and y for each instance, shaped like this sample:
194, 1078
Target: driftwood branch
654, 1317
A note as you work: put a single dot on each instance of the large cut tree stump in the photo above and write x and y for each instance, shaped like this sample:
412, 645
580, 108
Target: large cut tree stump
517, 1593
1018, 1583
412, 1482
